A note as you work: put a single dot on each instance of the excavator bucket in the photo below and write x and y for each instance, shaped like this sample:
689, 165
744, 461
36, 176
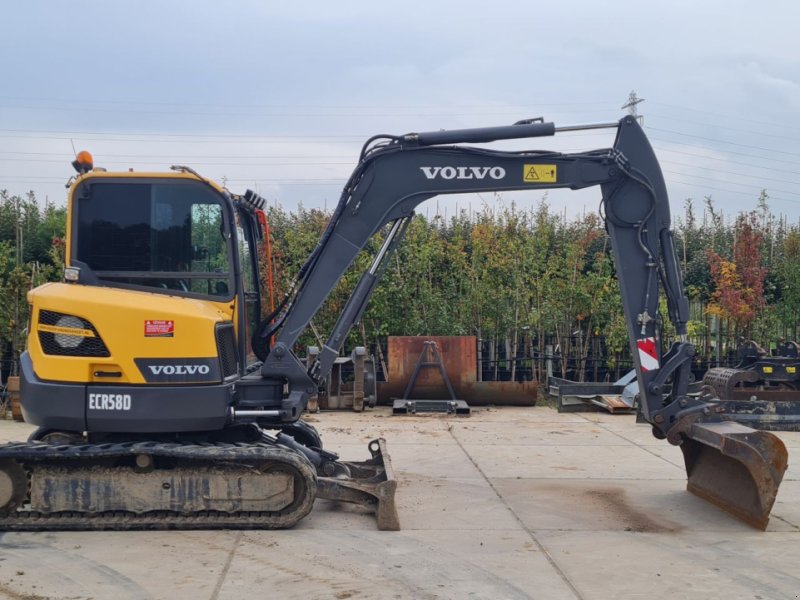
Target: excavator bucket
735, 468
370, 483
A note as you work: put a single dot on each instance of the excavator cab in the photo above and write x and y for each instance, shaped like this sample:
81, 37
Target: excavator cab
170, 235
154, 298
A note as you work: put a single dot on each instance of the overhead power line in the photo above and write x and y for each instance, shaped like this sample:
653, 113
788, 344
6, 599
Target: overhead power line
287, 115
351, 141
718, 141
161, 162
50, 180
188, 135
706, 124
213, 137
356, 141
747, 185
85, 102
737, 118
185, 156
705, 188
739, 174
733, 162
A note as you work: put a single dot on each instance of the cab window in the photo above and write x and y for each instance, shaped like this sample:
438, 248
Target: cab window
163, 235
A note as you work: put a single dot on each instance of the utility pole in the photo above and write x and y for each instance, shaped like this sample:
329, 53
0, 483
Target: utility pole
633, 100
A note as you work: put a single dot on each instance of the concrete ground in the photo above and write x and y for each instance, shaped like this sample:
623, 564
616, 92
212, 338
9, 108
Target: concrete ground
508, 503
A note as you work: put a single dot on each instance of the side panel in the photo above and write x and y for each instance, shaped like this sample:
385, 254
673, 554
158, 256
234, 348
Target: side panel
118, 408
153, 409
131, 324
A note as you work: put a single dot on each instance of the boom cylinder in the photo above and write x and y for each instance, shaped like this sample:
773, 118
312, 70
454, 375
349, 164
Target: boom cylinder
355, 306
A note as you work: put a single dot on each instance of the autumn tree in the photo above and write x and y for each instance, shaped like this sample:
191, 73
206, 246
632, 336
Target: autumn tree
739, 281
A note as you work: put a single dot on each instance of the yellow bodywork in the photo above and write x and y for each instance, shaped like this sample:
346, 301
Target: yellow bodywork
119, 318
119, 315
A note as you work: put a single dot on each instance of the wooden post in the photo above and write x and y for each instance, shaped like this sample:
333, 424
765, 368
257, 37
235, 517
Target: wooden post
13, 398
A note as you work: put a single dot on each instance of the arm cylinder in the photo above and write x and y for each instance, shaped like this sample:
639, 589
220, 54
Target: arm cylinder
481, 134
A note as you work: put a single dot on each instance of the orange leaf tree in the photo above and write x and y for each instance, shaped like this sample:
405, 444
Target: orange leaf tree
739, 293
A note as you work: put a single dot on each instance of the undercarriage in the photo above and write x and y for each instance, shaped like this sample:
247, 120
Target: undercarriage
260, 483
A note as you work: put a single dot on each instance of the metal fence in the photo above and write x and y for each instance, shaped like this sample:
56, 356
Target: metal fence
537, 368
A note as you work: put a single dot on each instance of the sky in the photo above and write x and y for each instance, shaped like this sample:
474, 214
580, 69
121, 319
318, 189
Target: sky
280, 96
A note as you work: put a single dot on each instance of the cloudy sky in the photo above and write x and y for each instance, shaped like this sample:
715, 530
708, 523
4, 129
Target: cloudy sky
279, 96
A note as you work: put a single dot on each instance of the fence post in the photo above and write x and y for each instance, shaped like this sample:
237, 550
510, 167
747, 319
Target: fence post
13, 398
548, 353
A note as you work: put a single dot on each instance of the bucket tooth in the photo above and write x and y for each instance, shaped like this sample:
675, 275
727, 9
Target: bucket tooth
371, 484
735, 468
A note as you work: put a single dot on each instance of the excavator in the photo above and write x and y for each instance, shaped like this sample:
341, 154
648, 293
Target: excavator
163, 399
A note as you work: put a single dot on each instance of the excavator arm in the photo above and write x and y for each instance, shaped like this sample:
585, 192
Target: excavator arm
397, 173
393, 178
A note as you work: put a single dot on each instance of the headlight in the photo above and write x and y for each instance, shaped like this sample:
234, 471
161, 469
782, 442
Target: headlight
69, 341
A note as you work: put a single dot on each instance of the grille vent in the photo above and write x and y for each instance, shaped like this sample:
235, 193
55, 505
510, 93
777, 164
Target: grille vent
87, 346
226, 348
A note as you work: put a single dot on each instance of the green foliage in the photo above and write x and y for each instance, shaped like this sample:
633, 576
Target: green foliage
524, 278
511, 277
31, 253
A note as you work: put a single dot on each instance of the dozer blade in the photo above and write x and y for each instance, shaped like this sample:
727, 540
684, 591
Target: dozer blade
735, 468
371, 484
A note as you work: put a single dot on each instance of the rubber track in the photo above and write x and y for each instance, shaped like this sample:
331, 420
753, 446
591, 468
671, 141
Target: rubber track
84, 455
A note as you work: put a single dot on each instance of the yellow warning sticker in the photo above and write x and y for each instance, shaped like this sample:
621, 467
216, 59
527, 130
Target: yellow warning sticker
65, 330
539, 174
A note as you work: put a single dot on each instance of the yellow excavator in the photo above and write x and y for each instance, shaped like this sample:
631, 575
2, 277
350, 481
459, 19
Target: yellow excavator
164, 400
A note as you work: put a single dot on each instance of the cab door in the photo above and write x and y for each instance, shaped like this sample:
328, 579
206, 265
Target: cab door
247, 239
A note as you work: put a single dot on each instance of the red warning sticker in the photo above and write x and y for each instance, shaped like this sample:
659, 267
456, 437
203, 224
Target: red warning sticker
159, 328
648, 353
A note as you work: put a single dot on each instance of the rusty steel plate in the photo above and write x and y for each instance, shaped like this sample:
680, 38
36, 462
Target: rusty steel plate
460, 359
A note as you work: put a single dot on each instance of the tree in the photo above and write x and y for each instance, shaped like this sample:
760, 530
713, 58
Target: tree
739, 293
31, 253
789, 303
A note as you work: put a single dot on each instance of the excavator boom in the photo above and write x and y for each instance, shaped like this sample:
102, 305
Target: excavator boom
395, 174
